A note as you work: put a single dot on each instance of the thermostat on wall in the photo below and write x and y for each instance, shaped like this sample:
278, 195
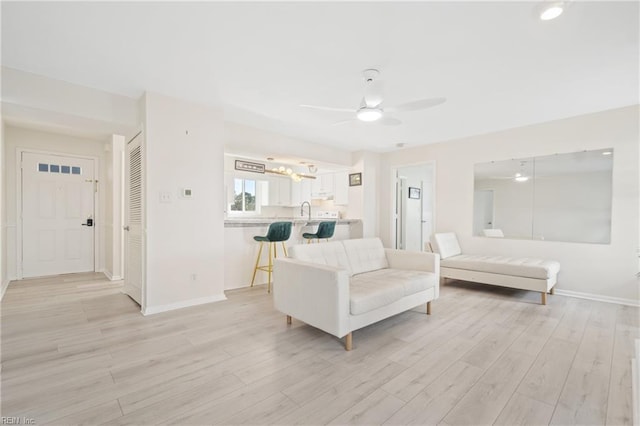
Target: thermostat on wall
186, 193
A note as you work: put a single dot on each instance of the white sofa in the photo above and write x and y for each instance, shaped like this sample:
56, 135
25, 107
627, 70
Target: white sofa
342, 286
521, 273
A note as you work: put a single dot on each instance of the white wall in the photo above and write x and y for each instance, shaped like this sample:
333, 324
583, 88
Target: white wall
245, 141
20, 138
68, 107
114, 203
364, 200
606, 271
4, 277
184, 148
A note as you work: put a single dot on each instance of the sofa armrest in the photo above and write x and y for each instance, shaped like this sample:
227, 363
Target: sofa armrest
315, 294
413, 260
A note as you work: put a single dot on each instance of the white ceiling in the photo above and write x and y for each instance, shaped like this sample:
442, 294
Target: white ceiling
498, 65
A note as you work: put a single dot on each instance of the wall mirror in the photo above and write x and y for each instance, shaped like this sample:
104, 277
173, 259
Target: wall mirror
561, 197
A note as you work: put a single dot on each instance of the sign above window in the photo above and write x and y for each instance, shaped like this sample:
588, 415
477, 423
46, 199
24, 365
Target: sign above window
248, 166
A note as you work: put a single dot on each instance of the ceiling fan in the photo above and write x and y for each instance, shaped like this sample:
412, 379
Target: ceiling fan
371, 108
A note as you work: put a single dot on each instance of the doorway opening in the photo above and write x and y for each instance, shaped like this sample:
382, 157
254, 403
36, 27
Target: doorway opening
414, 206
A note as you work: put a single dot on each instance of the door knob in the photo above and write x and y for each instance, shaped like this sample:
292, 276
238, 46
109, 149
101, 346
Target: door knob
126, 228
89, 222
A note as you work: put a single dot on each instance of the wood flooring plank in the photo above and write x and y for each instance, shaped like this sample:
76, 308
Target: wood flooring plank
433, 403
487, 398
620, 402
546, 378
373, 409
523, 410
584, 397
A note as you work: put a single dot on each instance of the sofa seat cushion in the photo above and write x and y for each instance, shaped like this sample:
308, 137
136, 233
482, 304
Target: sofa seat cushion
331, 253
372, 290
518, 267
365, 255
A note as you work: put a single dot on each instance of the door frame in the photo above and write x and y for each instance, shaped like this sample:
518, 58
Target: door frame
394, 199
96, 203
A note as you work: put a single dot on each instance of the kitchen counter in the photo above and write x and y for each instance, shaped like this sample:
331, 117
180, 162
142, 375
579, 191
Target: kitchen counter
266, 221
241, 249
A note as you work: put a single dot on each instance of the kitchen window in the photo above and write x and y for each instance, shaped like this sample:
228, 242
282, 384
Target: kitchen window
244, 195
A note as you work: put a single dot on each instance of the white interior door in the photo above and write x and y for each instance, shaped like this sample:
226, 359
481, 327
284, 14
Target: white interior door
134, 237
58, 218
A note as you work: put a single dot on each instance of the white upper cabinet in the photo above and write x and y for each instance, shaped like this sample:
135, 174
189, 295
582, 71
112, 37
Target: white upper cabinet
323, 186
279, 192
300, 191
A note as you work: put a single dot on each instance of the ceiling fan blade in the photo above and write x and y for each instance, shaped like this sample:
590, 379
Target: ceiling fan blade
417, 105
340, 123
389, 121
324, 108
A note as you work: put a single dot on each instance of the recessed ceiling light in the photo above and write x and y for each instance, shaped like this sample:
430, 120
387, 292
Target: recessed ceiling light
607, 153
369, 114
551, 11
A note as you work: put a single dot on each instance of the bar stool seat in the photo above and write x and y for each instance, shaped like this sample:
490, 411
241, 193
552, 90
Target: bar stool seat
325, 231
277, 232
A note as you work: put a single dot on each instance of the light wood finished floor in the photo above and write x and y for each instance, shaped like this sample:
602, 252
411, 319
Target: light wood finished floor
75, 350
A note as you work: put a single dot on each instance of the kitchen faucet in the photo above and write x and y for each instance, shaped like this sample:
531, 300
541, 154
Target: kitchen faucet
302, 208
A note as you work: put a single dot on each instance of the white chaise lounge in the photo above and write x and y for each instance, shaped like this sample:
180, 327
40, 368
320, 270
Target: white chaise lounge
342, 286
521, 273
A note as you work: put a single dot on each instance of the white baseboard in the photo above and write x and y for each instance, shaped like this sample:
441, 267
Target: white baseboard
111, 277
635, 384
149, 310
3, 288
598, 297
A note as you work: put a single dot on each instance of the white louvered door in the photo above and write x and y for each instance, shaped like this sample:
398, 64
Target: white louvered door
134, 221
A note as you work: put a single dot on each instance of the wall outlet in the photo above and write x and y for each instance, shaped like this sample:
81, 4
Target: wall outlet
165, 197
194, 277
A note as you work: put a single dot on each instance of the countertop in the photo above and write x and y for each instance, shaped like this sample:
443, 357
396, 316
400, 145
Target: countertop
242, 222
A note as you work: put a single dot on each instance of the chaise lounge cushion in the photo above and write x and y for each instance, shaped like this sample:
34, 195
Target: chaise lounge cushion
518, 267
379, 288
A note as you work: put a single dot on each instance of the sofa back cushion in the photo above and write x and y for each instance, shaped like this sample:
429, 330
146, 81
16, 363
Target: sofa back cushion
331, 253
365, 255
446, 244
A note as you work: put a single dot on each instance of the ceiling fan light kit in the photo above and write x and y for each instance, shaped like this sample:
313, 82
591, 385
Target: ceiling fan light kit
551, 10
369, 114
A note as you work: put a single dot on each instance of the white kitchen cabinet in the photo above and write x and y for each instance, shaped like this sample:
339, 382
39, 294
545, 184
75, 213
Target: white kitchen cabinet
341, 188
278, 192
323, 186
300, 192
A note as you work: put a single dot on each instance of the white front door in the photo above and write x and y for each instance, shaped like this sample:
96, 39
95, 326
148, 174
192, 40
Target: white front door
57, 214
134, 208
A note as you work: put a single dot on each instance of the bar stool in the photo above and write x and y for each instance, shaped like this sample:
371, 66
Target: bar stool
277, 232
325, 230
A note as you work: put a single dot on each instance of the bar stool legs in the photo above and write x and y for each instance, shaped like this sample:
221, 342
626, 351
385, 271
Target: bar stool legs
257, 262
268, 268
277, 232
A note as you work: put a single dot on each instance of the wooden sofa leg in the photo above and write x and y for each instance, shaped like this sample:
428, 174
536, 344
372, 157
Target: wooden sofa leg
289, 319
544, 297
552, 290
348, 342
429, 308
